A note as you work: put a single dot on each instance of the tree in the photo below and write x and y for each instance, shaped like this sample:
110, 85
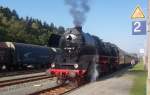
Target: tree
28, 30
61, 30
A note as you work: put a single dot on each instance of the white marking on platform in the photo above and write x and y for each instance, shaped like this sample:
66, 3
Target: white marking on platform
37, 85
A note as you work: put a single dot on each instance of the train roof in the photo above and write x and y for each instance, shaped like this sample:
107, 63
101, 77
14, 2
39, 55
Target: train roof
13, 44
7, 44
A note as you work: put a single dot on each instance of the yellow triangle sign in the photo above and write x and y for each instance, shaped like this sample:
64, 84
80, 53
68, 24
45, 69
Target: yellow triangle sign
138, 13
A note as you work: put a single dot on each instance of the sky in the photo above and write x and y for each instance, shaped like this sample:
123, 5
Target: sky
110, 20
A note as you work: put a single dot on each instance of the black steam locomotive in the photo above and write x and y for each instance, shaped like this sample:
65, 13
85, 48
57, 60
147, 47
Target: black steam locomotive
15, 56
85, 56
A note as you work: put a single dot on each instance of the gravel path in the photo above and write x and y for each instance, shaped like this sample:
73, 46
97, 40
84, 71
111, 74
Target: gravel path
119, 84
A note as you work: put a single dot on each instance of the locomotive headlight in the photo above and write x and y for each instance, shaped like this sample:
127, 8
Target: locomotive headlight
76, 66
53, 65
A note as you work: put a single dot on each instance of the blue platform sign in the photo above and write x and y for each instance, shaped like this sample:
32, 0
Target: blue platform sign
139, 28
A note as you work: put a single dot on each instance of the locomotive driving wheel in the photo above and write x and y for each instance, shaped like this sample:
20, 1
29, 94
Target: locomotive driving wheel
76, 82
61, 80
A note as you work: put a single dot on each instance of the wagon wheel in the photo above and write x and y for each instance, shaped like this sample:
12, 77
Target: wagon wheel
10, 68
1, 66
110, 67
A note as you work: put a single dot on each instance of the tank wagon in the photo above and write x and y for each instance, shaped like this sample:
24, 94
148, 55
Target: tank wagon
15, 56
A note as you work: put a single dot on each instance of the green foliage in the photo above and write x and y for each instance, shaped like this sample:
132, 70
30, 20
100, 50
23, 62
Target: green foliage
139, 85
28, 30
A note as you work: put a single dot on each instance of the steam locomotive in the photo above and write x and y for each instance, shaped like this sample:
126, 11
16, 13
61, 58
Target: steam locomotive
83, 55
15, 56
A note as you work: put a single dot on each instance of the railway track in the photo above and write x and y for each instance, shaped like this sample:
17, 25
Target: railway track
37, 85
64, 89
22, 80
14, 73
58, 90
26, 86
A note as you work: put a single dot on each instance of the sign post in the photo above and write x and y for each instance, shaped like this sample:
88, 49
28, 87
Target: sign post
148, 49
139, 28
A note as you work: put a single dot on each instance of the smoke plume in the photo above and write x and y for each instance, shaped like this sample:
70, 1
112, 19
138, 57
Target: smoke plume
78, 9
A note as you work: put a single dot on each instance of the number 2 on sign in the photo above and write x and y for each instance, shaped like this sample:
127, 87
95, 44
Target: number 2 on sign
137, 26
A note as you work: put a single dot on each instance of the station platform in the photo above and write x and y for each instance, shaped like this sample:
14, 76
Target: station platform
119, 83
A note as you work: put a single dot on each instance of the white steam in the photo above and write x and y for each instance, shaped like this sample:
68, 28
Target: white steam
95, 73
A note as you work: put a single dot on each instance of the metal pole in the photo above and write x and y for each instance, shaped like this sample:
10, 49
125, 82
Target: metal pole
148, 50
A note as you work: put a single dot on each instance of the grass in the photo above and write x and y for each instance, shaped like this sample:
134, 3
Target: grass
139, 85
